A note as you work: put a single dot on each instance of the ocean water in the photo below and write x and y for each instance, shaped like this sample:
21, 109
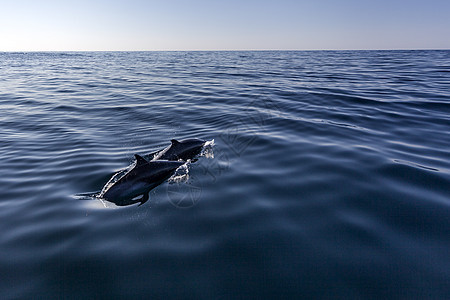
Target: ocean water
329, 177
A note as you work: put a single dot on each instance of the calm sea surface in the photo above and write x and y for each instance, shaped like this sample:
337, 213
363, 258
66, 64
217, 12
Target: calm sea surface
330, 176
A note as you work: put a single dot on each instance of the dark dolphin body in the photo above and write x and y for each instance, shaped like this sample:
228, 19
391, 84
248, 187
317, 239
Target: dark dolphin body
142, 178
181, 150
132, 186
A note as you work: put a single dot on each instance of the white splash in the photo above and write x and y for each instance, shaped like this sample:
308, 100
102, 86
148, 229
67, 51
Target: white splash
115, 178
207, 150
181, 174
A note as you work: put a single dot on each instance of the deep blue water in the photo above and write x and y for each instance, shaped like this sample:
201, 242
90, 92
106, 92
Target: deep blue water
330, 176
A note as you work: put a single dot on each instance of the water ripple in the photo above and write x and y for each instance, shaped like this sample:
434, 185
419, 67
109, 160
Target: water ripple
329, 179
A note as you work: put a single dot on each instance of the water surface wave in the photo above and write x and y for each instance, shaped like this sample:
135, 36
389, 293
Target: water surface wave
329, 179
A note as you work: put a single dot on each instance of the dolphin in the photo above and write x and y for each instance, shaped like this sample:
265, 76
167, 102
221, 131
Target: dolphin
139, 180
180, 150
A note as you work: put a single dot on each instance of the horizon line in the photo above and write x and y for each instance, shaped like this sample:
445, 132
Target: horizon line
233, 50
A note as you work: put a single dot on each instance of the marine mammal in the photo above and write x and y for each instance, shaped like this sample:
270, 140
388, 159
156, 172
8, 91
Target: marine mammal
124, 188
180, 150
132, 185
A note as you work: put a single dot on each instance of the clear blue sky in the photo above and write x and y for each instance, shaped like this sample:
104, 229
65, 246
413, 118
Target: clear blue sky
223, 25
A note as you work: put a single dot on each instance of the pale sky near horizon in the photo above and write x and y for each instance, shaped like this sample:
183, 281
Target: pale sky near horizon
51, 25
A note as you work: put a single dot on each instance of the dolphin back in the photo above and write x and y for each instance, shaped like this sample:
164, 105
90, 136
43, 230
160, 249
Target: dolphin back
140, 180
181, 150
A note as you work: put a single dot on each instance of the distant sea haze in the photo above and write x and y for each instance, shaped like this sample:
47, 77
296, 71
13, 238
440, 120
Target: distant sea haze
328, 178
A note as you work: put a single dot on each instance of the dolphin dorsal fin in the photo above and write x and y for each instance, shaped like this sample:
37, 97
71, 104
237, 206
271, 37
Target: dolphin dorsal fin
174, 142
140, 160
